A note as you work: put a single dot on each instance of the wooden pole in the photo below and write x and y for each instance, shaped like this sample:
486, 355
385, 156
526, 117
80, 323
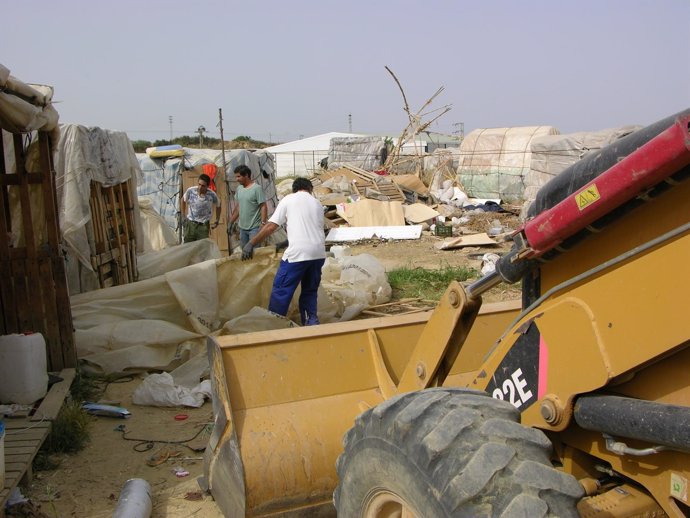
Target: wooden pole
228, 212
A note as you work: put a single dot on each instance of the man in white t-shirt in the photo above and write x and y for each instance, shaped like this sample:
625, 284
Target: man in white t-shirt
306, 252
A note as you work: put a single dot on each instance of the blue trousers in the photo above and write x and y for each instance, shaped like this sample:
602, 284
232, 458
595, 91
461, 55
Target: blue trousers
288, 277
246, 235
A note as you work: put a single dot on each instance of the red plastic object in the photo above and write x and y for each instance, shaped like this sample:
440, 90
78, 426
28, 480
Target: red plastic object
181, 417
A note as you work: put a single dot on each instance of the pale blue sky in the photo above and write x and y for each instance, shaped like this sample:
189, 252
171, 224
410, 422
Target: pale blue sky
295, 67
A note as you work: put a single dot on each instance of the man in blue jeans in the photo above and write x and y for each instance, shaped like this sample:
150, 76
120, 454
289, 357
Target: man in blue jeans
251, 206
306, 252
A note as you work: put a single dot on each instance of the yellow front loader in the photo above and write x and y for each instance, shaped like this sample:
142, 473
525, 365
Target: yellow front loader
575, 402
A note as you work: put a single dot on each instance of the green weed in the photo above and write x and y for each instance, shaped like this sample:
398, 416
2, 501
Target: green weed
408, 282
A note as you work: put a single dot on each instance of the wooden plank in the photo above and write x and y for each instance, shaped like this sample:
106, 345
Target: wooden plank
21, 297
34, 434
20, 449
58, 313
52, 328
12, 457
31, 267
14, 426
29, 443
51, 404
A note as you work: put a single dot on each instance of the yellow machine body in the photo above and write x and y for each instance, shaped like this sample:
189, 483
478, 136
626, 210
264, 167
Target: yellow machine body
612, 319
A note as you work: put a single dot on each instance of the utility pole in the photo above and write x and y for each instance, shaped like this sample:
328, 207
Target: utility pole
170, 121
200, 130
349, 120
459, 130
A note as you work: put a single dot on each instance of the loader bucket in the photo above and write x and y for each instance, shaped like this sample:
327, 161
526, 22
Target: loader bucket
283, 400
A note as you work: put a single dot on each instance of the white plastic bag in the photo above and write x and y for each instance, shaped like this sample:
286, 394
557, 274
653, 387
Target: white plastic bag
160, 390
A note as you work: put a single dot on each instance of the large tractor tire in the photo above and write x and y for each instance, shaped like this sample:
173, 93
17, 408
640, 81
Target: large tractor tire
449, 453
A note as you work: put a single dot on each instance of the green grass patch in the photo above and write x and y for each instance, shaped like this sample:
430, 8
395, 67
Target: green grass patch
426, 284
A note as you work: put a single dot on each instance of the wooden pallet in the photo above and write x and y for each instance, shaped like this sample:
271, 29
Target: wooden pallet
24, 437
33, 284
113, 253
372, 185
365, 184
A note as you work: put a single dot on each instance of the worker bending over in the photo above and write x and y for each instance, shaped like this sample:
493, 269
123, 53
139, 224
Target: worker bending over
306, 252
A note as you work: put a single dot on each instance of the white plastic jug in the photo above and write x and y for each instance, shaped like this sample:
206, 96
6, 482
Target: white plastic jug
23, 368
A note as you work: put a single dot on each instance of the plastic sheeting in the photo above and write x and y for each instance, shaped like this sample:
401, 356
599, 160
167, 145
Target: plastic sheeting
84, 155
156, 233
161, 177
495, 161
366, 153
160, 323
26, 107
159, 262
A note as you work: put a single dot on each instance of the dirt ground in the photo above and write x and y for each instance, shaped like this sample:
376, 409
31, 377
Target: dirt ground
88, 484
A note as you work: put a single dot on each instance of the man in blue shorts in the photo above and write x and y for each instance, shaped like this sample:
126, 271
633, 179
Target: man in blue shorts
306, 252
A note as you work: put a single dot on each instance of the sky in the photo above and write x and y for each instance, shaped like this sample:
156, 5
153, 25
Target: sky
285, 69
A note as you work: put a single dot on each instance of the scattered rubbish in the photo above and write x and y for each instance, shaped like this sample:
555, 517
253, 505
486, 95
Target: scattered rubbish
14, 409
180, 472
16, 497
161, 457
489, 263
495, 228
194, 496
340, 251
106, 410
135, 500
181, 417
390, 232
160, 390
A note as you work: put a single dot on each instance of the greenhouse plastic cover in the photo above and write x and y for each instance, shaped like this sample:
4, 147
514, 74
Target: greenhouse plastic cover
495, 161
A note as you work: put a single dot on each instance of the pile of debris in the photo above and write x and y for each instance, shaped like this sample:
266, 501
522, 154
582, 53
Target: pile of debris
360, 204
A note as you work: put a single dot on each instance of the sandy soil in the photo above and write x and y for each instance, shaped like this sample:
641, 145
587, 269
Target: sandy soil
88, 485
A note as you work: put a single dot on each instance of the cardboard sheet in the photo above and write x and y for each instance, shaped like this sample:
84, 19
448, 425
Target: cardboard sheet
372, 213
411, 182
481, 239
418, 212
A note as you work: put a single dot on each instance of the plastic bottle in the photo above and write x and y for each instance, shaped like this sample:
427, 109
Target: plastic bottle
23, 368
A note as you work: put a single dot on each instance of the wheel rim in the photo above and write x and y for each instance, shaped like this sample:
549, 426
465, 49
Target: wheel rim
385, 504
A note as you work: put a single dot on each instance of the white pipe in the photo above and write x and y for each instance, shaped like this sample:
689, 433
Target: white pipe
135, 500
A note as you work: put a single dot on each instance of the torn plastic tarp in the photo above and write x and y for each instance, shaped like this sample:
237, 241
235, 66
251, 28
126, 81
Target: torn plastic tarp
26, 107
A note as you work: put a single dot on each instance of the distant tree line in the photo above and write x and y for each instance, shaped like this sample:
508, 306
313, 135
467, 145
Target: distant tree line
241, 142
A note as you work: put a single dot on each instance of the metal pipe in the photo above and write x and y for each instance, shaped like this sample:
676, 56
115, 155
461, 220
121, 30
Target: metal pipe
483, 284
135, 500
656, 423
620, 448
